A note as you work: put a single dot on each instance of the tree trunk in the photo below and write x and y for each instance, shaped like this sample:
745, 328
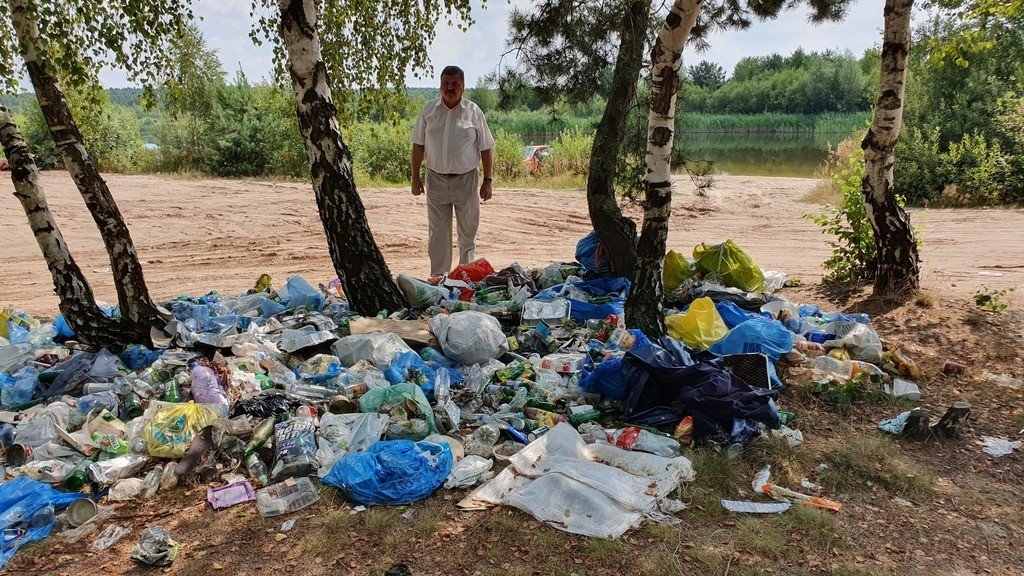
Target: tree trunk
617, 233
643, 307
136, 308
896, 248
91, 326
357, 259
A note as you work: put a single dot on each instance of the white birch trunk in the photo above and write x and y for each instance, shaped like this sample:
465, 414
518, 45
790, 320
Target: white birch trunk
643, 307
357, 259
896, 248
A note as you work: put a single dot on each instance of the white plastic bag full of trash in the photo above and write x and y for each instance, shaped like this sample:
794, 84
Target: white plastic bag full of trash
469, 337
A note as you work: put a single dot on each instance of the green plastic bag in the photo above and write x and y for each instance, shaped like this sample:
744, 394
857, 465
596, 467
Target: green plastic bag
677, 270
728, 262
700, 327
404, 396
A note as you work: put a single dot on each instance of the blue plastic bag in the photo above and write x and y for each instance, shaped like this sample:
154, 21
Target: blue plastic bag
761, 335
606, 378
617, 288
392, 472
137, 357
298, 293
591, 255
25, 514
732, 314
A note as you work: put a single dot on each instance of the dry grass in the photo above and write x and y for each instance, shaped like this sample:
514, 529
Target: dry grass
329, 533
824, 192
870, 459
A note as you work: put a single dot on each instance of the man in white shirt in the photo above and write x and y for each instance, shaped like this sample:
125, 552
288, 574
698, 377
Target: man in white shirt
452, 137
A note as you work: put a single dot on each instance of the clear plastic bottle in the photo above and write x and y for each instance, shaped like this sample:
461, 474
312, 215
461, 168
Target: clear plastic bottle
827, 367
257, 470
169, 479
151, 483
481, 442
99, 401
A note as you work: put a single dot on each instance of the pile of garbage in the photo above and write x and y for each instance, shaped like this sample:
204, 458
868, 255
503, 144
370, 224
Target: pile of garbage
527, 381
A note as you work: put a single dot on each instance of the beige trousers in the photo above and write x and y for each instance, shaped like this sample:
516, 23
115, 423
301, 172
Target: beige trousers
445, 193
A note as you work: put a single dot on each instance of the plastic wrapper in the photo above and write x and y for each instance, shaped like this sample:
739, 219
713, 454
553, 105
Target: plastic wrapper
42, 426
294, 447
420, 294
475, 271
156, 548
206, 388
392, 472
124, 466
862, 342
469, 337
125, 489
170, 431
286, 497
726, 261
380, 347
341, 434
469, 471
700, 327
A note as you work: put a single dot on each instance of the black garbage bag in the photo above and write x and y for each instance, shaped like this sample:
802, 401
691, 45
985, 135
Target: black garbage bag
266, 406
665, 381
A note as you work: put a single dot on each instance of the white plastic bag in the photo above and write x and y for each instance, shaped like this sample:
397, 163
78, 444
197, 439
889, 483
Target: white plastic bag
341, 434
469, 337
420, 294
862, 342
469, 471
381, 347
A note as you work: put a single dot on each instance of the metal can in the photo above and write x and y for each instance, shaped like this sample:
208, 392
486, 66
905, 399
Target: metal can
951, 367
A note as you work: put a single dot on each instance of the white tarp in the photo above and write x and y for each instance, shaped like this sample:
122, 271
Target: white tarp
594, 490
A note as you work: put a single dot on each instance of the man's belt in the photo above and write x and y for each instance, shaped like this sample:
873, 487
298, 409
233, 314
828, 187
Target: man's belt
451, 175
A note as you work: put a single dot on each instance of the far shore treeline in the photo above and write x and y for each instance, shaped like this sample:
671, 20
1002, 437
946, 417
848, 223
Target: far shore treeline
963, 139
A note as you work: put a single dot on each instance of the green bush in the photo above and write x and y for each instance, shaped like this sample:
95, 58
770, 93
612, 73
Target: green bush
920, 170
572, 153
508, 156
382, 151
111, 134
853, 250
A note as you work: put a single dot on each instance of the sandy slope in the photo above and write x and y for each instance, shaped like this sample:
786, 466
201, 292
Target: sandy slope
199, 235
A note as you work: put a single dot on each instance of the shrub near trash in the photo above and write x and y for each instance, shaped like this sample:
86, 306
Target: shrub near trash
526, 380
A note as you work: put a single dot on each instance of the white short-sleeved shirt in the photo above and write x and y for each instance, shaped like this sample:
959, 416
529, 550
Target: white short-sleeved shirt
452, 138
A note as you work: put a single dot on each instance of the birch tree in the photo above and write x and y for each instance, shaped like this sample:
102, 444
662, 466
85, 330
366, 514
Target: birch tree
77, 303
370, 46
896, 248
643, 307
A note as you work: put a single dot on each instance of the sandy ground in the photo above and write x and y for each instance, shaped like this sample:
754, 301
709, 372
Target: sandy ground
195, 236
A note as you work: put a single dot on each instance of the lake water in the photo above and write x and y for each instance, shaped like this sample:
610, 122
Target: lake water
761, 154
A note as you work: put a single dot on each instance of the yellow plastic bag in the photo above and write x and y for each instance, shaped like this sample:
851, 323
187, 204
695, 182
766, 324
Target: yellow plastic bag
729, 263
677, 270
700, 327
171, 430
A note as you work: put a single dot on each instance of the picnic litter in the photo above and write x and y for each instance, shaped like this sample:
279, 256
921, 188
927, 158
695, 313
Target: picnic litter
523, 386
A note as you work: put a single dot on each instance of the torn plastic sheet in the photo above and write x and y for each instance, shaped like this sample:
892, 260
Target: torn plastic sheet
594, 490
755, 507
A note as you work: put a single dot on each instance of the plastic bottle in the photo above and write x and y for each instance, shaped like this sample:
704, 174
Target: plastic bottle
260, 435
151, 483
168, 480
99, 401
633, 438
257, 470
26, 381
79, 476
844, 369
481, 442
507, 426
172, 392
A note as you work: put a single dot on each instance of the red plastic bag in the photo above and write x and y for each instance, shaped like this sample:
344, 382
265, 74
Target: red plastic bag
475, 271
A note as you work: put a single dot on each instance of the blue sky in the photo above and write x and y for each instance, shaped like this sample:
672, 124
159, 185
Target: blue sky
226, 26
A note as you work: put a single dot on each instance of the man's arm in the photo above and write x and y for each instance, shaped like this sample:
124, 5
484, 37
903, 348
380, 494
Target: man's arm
487, 158
417, 162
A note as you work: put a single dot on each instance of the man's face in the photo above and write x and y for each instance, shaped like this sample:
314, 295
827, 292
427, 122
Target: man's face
452, 88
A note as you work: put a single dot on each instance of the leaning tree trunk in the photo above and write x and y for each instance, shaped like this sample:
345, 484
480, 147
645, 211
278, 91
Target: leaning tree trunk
357, 259
617, 233
643, 307
895, 246
91, 326
137, 310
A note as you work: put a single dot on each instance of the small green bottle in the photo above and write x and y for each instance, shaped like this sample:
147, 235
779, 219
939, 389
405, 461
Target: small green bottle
173, 391
79, 476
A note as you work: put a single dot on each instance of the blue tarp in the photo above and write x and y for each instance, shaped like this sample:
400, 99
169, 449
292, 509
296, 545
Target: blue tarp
760, 335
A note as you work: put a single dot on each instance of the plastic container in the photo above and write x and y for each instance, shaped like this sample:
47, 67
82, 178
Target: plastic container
633, 438
481, 442
286, 497
563, 363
